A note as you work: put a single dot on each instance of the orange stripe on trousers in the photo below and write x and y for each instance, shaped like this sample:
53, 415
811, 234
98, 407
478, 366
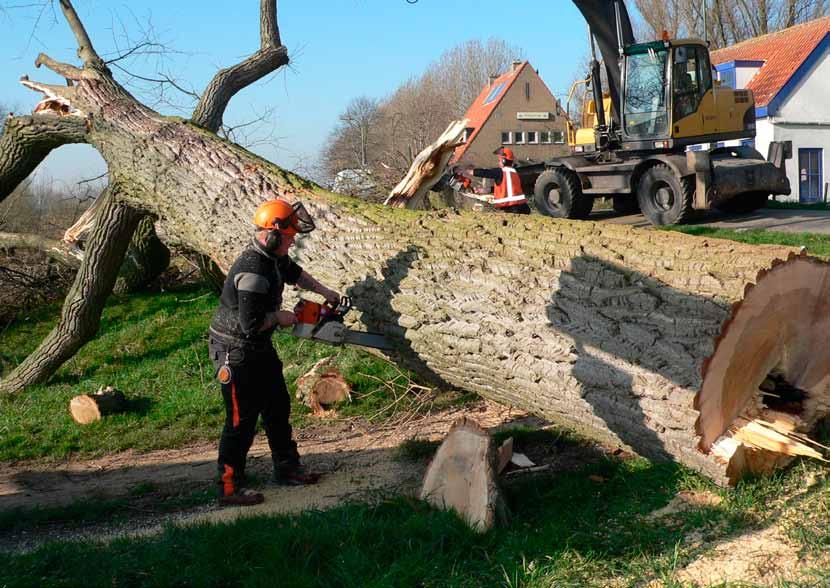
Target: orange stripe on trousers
227, 481
235, 405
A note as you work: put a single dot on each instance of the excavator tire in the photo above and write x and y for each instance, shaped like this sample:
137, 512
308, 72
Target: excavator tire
744, 203
665, 198
558, 193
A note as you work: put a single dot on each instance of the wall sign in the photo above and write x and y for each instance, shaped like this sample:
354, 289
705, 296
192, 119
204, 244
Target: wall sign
533, 115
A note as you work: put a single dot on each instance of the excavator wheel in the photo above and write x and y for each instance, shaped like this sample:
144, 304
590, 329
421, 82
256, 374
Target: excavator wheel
665, 198
558, 193
743, 203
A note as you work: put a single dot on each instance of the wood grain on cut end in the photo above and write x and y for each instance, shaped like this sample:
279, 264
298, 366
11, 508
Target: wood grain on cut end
461, 476
779, 328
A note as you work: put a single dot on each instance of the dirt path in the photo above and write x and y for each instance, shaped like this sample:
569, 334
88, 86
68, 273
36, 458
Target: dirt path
358, 464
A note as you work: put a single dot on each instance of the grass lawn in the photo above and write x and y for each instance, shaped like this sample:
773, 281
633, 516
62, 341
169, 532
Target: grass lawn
583, 528
816, 244
153, 347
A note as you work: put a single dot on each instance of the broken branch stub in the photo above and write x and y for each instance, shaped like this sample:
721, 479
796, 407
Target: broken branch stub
427, 168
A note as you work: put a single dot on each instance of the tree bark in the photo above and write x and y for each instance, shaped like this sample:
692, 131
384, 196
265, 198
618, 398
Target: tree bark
27, 140
82, 309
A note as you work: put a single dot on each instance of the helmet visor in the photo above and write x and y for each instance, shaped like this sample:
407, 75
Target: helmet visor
299, 221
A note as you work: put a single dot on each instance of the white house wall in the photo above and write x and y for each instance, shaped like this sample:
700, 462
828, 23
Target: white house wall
804, 119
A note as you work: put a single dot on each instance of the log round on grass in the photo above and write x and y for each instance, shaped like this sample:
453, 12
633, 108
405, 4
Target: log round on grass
88, 408
462, 476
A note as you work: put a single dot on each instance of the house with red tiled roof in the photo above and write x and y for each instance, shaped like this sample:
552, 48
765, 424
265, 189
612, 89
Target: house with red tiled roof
517, 110
789, 74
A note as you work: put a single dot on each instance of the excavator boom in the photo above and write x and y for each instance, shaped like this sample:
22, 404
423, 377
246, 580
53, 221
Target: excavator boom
611, 27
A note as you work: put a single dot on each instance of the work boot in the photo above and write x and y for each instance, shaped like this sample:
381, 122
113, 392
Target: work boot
241, 497
295, 475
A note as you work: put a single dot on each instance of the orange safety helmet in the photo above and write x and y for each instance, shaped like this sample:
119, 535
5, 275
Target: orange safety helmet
277, 214
505, 154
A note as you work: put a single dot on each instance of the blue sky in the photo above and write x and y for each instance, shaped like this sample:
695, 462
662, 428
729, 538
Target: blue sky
340, 49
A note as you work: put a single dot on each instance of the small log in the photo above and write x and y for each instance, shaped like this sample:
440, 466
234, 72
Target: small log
427, 168
88, 408
322, 386
462, 476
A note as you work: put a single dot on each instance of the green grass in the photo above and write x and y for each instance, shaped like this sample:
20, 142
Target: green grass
153, 347
565, 530
816, 244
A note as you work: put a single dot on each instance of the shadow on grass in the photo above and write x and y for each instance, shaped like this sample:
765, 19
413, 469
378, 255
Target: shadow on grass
593, 514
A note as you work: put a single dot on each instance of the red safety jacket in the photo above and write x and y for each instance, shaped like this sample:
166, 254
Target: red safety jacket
508, 192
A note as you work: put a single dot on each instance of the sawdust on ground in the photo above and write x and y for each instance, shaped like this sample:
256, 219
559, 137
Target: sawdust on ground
358, 463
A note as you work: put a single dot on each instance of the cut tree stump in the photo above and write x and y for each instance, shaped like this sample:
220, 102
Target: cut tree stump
462, 476
88, 408
427, 168
322, 386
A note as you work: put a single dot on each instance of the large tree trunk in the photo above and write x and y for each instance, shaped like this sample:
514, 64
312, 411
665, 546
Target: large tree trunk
626, 334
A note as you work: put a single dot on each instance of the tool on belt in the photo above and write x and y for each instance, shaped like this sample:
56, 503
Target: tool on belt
324, 322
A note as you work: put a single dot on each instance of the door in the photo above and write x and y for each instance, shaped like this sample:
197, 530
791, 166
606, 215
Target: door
810, 181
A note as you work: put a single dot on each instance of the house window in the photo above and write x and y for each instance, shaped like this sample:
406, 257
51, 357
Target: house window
494, 93
519, 137
506, 137
544, 137
532, 137
527, 90
558, 137
810, 184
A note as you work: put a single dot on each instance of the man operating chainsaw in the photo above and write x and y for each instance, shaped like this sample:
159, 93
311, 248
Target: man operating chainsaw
245, 360
508, 195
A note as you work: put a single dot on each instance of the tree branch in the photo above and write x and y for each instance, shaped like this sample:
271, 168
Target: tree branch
57, 250
70, 72
27, 140
226, 83
81, 315
86, 51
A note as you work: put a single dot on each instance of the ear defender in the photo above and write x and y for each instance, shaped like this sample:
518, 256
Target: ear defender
272, 242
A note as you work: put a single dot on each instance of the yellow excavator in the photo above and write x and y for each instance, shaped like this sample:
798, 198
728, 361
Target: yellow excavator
657, 143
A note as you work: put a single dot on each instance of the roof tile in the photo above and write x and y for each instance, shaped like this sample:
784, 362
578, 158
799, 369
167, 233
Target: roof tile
782, 52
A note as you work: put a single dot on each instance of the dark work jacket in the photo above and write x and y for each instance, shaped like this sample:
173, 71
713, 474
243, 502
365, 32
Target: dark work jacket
252, 289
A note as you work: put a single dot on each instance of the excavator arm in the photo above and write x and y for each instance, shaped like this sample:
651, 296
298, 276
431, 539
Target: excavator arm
610, 25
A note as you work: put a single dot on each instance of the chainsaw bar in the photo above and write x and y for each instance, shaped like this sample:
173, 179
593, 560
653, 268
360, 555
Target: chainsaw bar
365, 339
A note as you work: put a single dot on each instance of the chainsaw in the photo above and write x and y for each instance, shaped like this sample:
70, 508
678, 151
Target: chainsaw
324, 322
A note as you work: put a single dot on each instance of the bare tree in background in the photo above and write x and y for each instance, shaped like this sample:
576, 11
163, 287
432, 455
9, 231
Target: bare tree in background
465, 69
727, 21
384, 136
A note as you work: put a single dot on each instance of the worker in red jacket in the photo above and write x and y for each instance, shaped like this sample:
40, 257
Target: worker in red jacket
508, 195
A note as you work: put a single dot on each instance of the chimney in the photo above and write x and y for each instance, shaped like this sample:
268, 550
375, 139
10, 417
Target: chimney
492, 79
516, 64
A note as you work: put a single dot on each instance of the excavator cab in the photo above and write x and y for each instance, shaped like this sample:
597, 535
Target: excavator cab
670, 101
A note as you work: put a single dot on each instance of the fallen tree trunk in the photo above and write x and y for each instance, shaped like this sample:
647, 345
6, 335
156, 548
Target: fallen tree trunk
626, 334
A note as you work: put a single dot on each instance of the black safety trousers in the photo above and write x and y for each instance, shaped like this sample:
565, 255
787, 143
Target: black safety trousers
257, 387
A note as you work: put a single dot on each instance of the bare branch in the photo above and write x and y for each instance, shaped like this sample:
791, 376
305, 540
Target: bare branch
57, 250
70, 72
227, 82
85, 49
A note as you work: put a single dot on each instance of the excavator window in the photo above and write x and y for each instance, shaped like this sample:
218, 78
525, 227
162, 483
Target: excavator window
691, 79
644, 112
